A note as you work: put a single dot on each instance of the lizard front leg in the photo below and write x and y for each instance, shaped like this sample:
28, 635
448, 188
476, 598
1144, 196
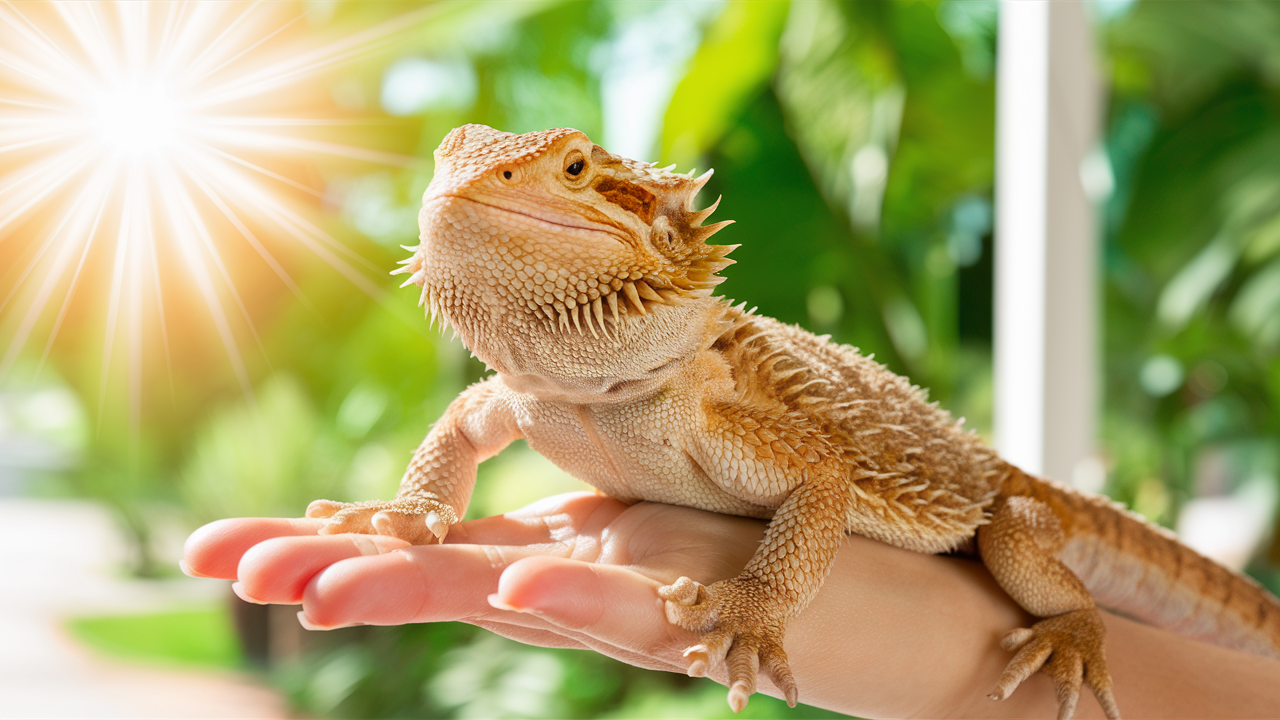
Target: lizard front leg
1020, 548
436, 488
743, 620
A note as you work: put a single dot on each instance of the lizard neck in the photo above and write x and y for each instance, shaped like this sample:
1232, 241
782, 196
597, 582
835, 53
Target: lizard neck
638, 358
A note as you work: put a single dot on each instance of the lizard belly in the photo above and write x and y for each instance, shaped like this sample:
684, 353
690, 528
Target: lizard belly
636, 458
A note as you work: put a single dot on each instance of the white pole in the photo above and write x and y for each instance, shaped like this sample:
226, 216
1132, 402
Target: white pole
1045, 307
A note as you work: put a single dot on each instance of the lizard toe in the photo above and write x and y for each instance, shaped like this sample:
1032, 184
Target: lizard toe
1069, 649
688, 605
684, 592
741, 627
348, 519
1067, 672
323, 508
774, 661
415, 520
709, 653
743, 661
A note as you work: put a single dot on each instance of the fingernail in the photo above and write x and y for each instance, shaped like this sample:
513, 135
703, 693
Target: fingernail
307, 624
186, 569
238, 589
499, 603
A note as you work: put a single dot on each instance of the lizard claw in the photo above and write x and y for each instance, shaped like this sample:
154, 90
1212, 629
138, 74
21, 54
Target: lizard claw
437, 526
741, 632
709, 653
1069, 649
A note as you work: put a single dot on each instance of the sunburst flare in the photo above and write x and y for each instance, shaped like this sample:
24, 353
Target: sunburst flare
147, 152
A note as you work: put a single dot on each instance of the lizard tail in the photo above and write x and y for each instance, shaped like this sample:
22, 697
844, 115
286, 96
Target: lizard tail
1139, 569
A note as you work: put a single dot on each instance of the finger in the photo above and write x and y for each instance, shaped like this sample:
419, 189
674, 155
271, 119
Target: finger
432, 583
540, 636
278, 570
215, 550
607, 602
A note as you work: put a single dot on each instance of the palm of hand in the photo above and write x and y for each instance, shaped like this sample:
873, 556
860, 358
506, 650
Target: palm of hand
576, 570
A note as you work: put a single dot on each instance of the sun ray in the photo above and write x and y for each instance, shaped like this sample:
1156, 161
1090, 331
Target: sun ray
246, 51
44, 247
32, 33
204, 283
62, 259
263, 140
340, 51
134, 190
38, 189
103, 192
123, 237
252, 239
215, 45
152, 255
259, 169
211, 247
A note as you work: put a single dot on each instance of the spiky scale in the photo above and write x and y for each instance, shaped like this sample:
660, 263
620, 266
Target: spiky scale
634, 297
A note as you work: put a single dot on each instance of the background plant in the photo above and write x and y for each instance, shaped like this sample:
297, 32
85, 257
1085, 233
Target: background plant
853, 143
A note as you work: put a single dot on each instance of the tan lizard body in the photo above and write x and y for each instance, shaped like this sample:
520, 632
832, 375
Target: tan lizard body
584, 280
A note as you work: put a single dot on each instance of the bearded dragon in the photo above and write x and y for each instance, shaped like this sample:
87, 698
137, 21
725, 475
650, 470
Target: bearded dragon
585, 280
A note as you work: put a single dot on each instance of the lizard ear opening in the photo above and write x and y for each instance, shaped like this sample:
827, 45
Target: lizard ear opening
663, 237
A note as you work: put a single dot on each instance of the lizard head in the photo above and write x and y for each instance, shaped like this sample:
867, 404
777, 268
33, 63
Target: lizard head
548, 240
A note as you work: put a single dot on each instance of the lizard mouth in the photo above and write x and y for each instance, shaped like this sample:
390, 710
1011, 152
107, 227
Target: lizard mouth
562, 222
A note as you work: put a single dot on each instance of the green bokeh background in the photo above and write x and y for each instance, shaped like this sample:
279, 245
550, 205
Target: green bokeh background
796, 106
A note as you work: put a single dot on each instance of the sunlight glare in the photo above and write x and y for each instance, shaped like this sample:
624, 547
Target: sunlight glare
150, 156
138, 119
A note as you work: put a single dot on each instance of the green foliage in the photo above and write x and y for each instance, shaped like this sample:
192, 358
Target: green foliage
854, 145
451, 670
733, 65
1192, 304
265, 460
197, 638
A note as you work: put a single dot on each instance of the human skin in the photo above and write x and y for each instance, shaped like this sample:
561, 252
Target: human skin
892, 633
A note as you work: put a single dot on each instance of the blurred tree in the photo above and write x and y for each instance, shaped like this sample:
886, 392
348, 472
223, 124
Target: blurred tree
1193, 253
853, 143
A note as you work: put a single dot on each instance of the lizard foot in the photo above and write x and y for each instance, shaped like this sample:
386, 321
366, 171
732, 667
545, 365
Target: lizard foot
1067, 648
420, 521
740, 627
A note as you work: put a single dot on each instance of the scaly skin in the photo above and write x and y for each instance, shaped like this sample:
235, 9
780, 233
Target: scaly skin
584, 280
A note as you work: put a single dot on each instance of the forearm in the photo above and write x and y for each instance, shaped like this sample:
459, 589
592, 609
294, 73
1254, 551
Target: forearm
896, 633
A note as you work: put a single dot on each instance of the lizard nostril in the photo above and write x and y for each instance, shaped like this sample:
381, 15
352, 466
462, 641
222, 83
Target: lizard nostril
506, 174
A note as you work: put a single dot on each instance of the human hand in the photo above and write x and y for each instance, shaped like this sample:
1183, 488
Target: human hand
892, 633
578, 570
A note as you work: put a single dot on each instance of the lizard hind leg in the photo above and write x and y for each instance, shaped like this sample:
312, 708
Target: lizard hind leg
1020, 548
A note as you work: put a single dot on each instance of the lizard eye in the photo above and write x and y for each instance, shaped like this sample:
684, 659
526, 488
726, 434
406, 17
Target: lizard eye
575, 168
